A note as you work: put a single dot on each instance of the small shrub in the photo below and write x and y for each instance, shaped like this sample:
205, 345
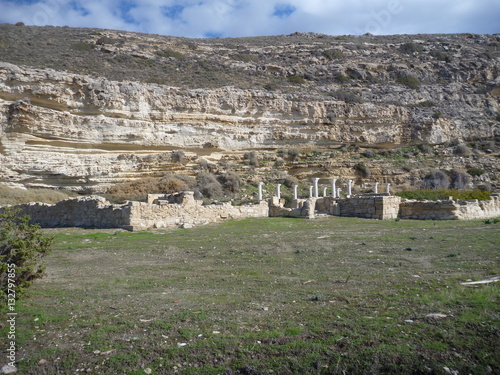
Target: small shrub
437, 115
279, 163
440, 56
370, 154
409, 80
340, 78
293, 153
459, 179
22, 249
251, 158
425, 148
296, 80
462, 150
411, 48
475, 172
333, 54
426, 104
497, 117
362, 170
436, 180
178, 156
230, 181
208, 185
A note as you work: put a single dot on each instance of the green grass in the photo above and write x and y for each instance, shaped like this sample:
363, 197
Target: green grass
282, 296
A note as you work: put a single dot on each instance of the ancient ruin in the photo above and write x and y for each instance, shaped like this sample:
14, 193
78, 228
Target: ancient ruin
181, 210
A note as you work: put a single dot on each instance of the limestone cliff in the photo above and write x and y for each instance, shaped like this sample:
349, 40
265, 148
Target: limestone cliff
63, 128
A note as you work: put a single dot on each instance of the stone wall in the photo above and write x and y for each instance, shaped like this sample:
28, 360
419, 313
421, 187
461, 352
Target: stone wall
182, 210
303, 208
450, 209
370, 206
96, 212
86, 212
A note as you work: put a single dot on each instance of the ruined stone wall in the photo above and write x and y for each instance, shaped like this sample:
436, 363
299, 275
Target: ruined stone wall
86, 212
450, 209
370, 206
182, 210
96, 212
303, 208
187, 212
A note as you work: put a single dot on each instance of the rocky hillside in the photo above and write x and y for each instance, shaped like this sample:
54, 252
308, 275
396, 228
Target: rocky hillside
86, 108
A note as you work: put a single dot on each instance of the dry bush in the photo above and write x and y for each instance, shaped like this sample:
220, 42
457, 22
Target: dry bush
13, 196
436, 179
230, 181
171, 184
208, 185
462, 150
135, 189
459, 179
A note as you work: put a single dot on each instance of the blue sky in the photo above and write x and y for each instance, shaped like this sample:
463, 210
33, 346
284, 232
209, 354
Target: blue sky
235, 18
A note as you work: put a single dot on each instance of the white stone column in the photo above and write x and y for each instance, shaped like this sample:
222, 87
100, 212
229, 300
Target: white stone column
375, 187
278, 191
315, 181
295, 193
334, 188
324, 191
338, 192
349, 188
387, 188
260, 190
310, 191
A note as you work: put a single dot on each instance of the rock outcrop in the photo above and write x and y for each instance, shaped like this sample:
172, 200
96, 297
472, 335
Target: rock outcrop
82, 131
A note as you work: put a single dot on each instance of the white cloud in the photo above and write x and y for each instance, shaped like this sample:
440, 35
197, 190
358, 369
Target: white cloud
230, 18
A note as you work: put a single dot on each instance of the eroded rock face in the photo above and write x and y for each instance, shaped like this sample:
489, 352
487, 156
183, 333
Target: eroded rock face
79, 131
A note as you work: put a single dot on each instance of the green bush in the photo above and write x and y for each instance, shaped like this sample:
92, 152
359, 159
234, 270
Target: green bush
409, 80
297, 80
476, 172
22, 249
436, 179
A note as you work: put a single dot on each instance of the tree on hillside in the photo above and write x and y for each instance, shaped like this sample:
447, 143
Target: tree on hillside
22, 249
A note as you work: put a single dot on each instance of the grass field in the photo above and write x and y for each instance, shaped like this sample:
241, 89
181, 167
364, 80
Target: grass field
267, 296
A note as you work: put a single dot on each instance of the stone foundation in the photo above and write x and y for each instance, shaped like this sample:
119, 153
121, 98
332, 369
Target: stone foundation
182, 210
450, 209
370, 206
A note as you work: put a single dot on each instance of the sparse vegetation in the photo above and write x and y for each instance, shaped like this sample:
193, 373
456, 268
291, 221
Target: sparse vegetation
267, 296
